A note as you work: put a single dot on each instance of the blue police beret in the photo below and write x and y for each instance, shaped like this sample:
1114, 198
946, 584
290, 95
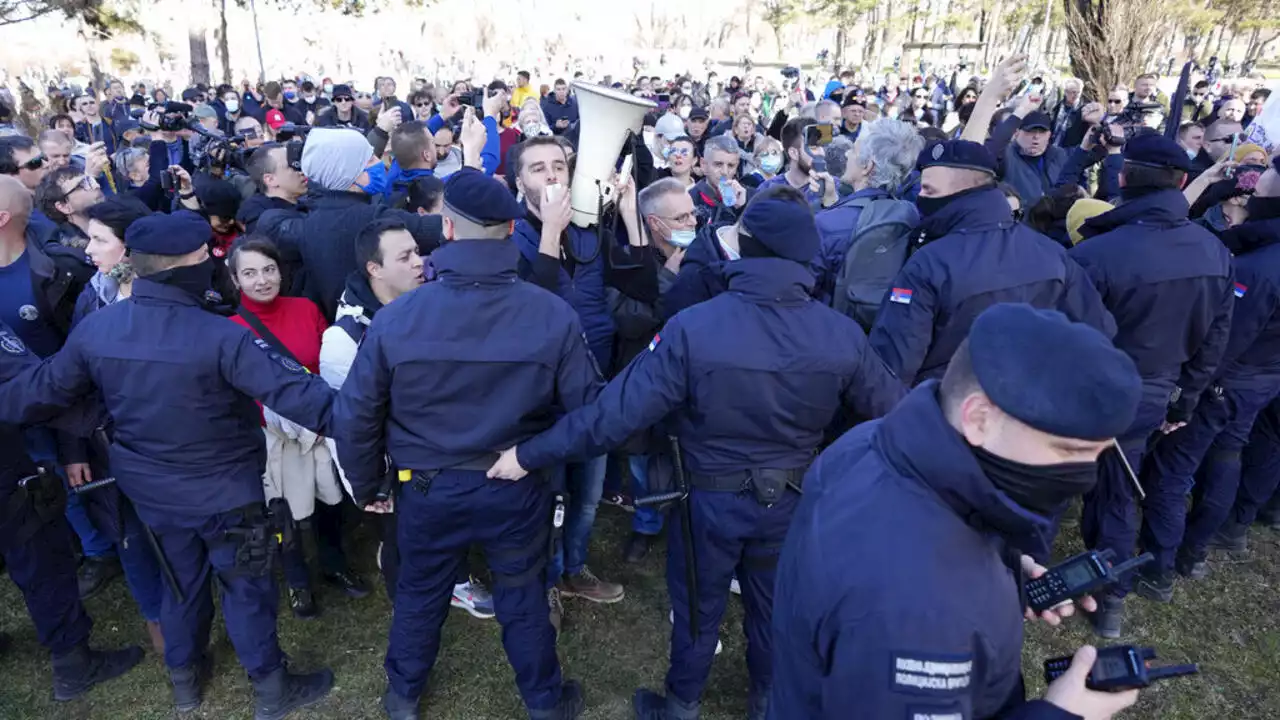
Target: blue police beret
480, 199
785, 227
1060, 377
1155, 150
958, 154
174, 234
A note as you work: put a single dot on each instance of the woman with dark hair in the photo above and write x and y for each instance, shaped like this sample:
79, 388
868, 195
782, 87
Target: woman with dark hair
1049, 215
87, 459
299, 466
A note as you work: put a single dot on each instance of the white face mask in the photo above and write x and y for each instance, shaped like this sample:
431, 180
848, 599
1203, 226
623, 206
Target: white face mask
233, 106
685, 110
729, 251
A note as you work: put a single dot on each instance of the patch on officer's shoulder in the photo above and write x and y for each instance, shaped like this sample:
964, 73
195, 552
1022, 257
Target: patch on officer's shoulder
653, 344
287, 363
949, 711
11, 343
1241, 289
901, 296
930, 674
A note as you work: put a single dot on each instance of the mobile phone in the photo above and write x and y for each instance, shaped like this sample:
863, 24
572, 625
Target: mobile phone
818, 135
625, 171
551, 192
664, 98
465, 99
167, 180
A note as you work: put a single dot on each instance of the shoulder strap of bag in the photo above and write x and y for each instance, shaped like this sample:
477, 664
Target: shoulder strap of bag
259, 327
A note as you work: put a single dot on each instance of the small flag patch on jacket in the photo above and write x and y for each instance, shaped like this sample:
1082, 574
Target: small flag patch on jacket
900, 295
654, 342
1241, 290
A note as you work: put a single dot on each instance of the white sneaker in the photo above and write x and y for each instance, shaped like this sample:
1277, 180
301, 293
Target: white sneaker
734, 587
671, 617
472, 597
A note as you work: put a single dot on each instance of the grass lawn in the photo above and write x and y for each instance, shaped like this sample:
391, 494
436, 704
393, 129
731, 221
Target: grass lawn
1227, 623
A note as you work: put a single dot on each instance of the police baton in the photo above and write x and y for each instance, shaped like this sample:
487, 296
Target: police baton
165, 568
89, 486
1128, 470
686, 532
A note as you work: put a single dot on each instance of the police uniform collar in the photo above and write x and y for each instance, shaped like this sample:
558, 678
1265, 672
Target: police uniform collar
473, 260
1161, 208
770, 280
1249, 236
319, 197
144, 290
918, 442
975, 211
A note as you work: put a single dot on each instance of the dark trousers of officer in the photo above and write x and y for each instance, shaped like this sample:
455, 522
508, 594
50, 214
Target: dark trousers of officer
732, 533
325, 525
1259, 467
197, 548
43, 566
1109, 520
389, 553
1212, 441
511, 521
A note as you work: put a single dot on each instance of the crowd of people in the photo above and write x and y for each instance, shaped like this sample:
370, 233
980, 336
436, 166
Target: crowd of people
922, 318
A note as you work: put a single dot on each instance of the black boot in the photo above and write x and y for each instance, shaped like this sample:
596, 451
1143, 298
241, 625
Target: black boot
187, 682
650, 705
1108, 621
77, 671
303, 603
637, 547
569, 707
1192, 567
1232, 537
1157, 586
95, 574
399, 707
282, 692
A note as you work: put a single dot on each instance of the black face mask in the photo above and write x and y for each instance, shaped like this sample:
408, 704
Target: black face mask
1042, 489
931, 205
195, 280
1263, 208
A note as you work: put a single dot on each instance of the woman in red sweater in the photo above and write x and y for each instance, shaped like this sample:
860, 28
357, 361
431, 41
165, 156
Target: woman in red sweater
299, 467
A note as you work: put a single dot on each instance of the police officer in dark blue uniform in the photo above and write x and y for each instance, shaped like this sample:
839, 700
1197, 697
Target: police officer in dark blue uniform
1168, 283
1247, 381
899, 586
975, 256
179, 382
477, 362
754, 376
35, 542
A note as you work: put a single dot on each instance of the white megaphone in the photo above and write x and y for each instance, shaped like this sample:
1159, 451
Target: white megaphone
606, 116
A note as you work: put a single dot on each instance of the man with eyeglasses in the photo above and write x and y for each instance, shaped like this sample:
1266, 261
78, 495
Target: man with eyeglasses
1198, 106
94, 128
65, 196
344, 112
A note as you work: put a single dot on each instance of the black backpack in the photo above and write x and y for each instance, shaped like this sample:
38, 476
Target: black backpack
882, 242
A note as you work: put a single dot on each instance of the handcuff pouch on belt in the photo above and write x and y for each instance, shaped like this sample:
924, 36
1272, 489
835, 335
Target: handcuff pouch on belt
256, 541
35, 502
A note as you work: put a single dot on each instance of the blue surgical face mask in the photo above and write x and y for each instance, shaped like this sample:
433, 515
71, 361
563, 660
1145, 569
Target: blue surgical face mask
1192, 154
233, 106
683, 238
771, 163
290, 95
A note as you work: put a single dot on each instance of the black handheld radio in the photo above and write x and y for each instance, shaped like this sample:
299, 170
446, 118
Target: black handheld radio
1120, 668
1077, 577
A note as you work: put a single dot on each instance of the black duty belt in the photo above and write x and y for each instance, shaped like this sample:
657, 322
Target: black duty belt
768, 484
422, 479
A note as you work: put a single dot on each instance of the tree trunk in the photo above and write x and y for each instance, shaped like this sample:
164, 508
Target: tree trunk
1226, 55
196, 32
223, 44
839, 55
1109, 47
777, 35
884, 36
1222, 35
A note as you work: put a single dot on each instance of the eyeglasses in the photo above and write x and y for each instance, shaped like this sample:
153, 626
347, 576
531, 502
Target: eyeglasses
34, 163
1113, 101
680, 152
681, 219
343, 99
84, 183
422, 104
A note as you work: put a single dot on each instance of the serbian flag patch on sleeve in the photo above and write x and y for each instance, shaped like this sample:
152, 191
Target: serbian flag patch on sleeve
900, 295
653, 344
1241, 290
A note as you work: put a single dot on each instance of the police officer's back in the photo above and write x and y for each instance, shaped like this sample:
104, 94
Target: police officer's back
975, 256
897, 591
754, 377
1168, 283
179, 383
447, 375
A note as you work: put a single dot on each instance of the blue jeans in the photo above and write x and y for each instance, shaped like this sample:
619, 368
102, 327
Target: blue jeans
647, 520
42, 446
585, 484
